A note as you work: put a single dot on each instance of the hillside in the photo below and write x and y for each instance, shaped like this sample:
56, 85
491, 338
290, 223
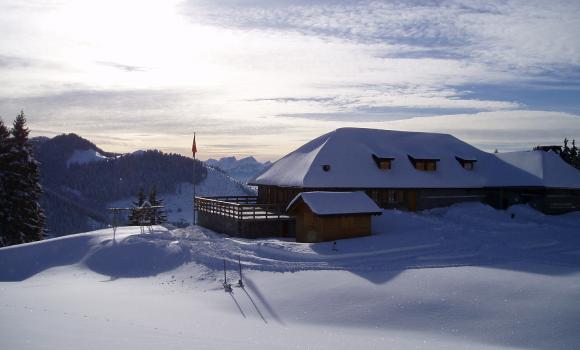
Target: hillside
80, 181
467, 276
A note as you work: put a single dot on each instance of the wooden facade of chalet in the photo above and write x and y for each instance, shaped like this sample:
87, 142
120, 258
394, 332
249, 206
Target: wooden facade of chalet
403, 199
547, 200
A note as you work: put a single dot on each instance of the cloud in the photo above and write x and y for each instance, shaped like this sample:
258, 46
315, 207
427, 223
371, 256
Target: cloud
12, 62
264, 76
123, 67
524, 35
380, 114
506, 130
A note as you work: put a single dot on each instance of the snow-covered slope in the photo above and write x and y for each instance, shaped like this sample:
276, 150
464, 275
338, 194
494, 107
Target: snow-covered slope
462, 277
85, 156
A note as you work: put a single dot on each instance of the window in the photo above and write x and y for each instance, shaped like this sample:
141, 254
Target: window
383, 163
467, 164
424, 164
326, 167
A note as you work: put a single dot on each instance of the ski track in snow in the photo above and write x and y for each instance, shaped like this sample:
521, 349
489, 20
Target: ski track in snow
459, 236
462, 235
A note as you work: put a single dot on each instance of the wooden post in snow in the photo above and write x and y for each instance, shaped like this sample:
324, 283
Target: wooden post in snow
227, 286
240, 282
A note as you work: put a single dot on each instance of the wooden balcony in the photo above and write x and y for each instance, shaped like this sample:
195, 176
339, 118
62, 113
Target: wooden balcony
243, 216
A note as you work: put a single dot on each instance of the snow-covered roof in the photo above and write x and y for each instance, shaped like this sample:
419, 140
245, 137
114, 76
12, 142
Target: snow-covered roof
348, 153
547, 167
336, 203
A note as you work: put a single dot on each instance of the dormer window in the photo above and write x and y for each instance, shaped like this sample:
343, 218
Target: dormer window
424, 164
383, 163
466, 163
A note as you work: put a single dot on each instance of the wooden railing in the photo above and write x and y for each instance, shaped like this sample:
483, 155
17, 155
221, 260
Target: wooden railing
239, 207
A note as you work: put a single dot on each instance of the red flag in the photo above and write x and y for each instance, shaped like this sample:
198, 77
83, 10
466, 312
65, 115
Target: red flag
194, 147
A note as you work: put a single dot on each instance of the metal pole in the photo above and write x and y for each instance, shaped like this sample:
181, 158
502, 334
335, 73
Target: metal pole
114, 223
194, 204
225, 277
240, 282
194, 148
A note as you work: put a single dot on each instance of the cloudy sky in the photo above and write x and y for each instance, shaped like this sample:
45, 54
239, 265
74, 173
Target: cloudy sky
261, 77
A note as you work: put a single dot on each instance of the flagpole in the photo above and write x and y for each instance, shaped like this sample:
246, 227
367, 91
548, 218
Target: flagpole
194, 204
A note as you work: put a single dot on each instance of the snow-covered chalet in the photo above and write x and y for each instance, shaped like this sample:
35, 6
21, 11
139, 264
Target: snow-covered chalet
416, 170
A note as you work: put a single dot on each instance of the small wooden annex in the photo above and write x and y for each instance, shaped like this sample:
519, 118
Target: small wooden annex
327, 216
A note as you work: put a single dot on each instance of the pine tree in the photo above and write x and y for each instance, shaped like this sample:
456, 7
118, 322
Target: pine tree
136, 215
24, 220
159, 214
4, 203
574, 155
566, 152
570, 154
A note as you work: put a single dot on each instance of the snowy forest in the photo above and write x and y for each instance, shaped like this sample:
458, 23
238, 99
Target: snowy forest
75, 191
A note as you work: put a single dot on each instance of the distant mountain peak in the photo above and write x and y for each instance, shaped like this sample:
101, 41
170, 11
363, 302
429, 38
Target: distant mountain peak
241, 169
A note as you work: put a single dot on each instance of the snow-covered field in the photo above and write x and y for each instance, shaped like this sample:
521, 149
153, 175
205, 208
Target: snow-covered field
462, 277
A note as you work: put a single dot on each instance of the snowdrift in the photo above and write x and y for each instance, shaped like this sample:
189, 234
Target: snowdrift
138, 255
467, 234
467, 276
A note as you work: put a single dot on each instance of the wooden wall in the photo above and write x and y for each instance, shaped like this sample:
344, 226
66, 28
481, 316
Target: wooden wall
551, 201
546, 200
403, 199
313, 228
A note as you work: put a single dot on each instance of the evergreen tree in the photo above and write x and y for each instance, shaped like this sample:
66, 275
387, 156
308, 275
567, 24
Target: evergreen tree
136, 215
566, 152
570, 154
159, 215
4, 204
574, 155
24, 219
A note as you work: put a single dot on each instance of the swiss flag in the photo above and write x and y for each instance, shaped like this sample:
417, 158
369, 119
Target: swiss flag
193, 146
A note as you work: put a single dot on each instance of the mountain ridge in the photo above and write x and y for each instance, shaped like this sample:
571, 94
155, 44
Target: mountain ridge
78, 193
242, 169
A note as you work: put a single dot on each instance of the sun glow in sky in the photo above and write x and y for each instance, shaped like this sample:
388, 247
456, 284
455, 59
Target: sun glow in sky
263, 77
